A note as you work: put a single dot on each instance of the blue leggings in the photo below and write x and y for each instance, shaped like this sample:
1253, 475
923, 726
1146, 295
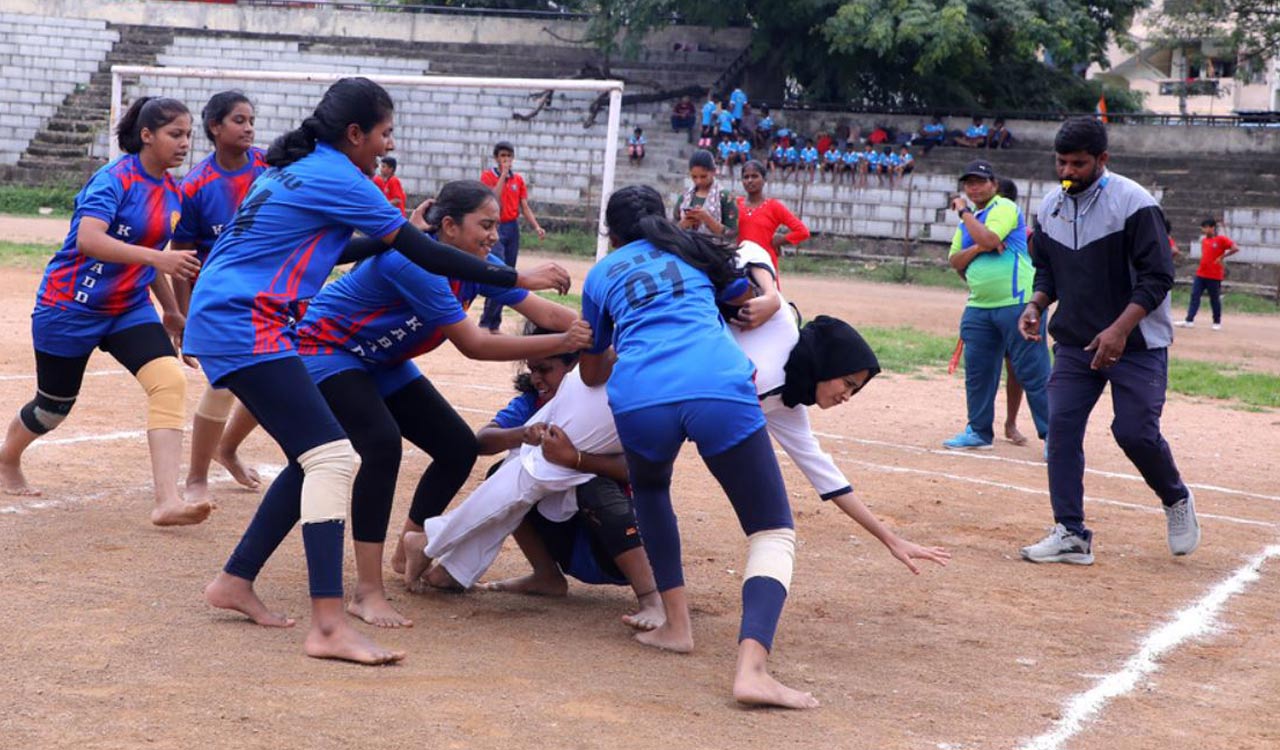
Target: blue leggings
735, 447
280, 395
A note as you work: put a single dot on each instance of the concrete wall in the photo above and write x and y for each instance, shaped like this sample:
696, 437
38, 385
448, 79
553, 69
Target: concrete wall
1138, 139
409, 27
42, 60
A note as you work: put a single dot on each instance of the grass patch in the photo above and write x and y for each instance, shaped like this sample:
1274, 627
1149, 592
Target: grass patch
1214, 380
571, 300
880, 272
1232, 302
577, 242
906, 349
26, 201
25, 255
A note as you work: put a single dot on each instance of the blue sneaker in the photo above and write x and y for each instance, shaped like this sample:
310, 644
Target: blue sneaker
967, 441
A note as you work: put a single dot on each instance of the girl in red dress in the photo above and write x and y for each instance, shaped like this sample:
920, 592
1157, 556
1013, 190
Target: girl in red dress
760, 218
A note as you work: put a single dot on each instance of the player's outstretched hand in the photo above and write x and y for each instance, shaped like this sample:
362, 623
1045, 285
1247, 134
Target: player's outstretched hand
578, 337
558, 448
1029, 323
545, 276
907, 551
180, 263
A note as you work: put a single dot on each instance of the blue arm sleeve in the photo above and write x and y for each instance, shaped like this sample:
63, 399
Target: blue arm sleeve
517, 412
426, 293
601, 323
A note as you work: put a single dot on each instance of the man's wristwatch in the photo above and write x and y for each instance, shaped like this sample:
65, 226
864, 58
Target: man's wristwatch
963, 210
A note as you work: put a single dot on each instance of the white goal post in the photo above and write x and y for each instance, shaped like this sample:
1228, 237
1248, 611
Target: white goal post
613, 87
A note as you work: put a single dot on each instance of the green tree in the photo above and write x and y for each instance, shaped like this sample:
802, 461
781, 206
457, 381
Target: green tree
1251, 27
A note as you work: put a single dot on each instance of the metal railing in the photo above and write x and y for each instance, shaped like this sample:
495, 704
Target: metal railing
397, 7
1239, 119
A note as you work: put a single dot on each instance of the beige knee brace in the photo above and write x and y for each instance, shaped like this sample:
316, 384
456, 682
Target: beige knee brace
166, 389
327, 473
215, 405
771, 553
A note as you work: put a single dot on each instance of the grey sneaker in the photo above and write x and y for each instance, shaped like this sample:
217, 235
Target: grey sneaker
1184, 529
1060, 546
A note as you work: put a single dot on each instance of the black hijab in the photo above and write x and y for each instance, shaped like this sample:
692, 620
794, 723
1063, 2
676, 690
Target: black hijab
828, 348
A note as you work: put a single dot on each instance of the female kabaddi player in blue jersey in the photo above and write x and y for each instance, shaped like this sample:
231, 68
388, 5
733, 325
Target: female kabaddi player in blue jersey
211, 193
678, 375
94, 294
358, 339
281, 245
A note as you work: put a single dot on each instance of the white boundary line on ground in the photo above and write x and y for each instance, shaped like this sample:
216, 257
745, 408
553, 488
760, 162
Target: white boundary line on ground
1023, 462
1200, 618
91, 374
1041, 492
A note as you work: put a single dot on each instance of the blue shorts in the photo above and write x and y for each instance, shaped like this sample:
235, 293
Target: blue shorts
70, 334
714, 425
387, 378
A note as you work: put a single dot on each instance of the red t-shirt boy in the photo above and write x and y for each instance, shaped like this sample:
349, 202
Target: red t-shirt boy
513, 198
1214, 249
389, 184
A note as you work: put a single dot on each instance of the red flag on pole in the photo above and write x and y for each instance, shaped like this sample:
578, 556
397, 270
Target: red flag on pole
1101, 109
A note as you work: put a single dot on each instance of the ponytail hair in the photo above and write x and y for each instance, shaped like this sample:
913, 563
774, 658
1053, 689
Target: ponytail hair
457, 199
146, 113
348, 101
220, 105
635, 212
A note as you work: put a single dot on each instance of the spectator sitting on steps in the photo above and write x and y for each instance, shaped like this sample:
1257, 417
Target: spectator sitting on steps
975, 136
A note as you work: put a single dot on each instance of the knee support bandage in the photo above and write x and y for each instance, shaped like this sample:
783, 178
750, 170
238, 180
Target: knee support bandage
166, 389
772, 554
215, 405
45, 412
328, 471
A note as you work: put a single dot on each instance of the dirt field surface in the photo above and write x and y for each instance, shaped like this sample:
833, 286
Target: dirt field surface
108, 643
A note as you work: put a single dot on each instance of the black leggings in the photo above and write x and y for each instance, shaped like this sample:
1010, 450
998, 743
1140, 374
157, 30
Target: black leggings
60, 378
374, 424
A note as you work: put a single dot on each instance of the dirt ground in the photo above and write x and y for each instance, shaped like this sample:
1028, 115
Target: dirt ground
108, 643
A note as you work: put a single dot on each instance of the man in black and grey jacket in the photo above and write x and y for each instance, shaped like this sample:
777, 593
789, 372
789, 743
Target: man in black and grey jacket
1102, 253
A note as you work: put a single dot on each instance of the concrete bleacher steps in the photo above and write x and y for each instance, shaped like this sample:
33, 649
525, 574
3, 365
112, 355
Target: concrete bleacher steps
43, 62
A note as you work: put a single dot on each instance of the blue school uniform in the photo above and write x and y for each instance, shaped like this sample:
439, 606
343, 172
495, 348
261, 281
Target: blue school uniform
851, 158
726, 122
791, 155
82, 299
279, 249
744, 148
976, 131
383, 314
809, 155
726, 149
210, 197
832, 156
872, 159
779, 155
708, 111
737, 100
765, 124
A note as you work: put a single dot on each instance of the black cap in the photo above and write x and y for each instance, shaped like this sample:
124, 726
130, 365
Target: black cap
979, 168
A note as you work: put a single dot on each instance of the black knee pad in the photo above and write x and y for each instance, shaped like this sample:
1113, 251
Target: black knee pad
611, 516
44, 413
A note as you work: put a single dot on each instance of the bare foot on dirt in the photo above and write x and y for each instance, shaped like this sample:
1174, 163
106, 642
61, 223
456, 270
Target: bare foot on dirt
651, 615
414, 546
663, 637
534, 584
373, 608
178, 513
245, 476
13, 482
756, 687
439, 578
230, 592
196, 491
348, 644
1012, 434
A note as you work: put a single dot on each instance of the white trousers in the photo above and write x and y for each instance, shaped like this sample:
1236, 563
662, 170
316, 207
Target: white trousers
790, 427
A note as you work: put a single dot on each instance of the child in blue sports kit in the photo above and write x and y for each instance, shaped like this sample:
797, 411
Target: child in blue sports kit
211, 193
94, 294
357, 341
678, 375
293, 226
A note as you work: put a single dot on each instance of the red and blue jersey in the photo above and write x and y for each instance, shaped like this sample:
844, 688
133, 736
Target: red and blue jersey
388, 311
278, 250
139, 209
660, 315
210, 197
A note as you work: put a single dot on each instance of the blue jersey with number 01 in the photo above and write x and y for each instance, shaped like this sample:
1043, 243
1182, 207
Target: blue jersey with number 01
279, 248
660, 314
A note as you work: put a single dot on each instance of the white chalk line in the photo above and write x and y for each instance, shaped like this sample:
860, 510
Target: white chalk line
1194, 621
1042, 492
976, 455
